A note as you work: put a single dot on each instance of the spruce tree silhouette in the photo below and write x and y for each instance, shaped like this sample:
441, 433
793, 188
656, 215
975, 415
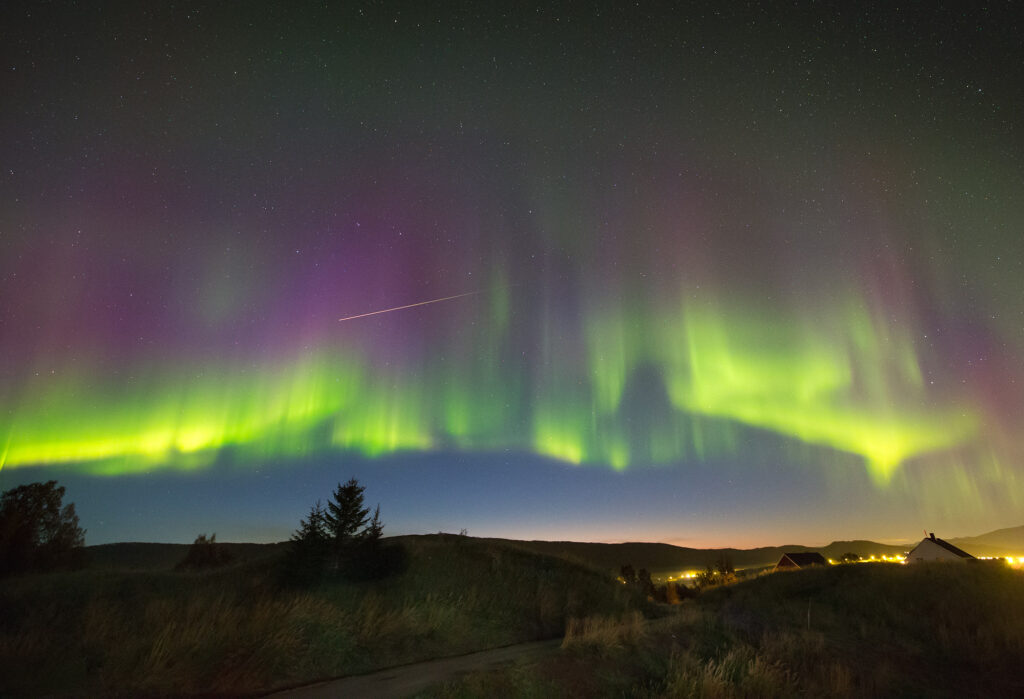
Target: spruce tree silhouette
345, 515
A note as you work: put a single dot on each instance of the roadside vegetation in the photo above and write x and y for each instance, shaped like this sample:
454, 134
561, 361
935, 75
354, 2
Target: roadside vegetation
341, 599
239, 629
338, 599
865, 630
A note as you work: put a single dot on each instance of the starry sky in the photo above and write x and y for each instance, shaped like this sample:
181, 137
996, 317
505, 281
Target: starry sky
726, 274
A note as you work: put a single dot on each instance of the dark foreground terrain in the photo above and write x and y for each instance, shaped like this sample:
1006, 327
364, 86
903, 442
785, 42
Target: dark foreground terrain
852, 630
117, 629
941, 630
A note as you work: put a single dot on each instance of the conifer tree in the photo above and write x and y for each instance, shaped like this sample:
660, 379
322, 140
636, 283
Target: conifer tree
345, 516
313, 529
307, 556
375, 529
340, 537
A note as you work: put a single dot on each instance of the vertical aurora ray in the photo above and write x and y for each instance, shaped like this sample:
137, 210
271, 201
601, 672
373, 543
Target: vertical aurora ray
659, 282
841, 386
155, 422
754, 250
852, 383
844, 391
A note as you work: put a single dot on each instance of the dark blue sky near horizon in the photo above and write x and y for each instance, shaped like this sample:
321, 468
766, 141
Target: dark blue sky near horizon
510, 496
712, 275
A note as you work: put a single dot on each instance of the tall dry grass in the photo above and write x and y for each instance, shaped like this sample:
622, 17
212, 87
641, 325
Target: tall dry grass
873, 631
739, 673
869, 630
235, 631
604, 633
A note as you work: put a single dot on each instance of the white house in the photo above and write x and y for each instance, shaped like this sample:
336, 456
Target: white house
932, 549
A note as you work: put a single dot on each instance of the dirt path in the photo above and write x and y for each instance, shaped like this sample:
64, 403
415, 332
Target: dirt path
404, 681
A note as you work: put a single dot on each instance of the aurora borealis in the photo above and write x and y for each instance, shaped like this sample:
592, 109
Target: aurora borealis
702, 267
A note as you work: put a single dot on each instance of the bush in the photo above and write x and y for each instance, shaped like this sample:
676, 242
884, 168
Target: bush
204, 554
603, 633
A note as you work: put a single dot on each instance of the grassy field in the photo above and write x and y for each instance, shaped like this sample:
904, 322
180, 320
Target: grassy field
236, 630
857, 630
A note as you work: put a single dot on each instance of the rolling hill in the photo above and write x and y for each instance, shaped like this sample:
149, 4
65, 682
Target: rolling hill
664, 559
660, 559
1001, 542
134, 555
241, 630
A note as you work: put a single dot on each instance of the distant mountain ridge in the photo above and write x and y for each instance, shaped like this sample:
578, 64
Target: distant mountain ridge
661, 559
1001, 542
667, 559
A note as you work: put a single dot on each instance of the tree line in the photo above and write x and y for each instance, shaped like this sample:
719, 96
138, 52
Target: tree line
38, 533
341, 539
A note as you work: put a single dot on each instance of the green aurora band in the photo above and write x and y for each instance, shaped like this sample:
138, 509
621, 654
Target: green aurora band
846, 380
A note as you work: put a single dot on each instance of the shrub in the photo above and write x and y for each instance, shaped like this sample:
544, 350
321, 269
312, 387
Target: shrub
203, 554
603, 633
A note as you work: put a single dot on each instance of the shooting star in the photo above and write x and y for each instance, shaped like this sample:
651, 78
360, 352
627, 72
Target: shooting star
410, 305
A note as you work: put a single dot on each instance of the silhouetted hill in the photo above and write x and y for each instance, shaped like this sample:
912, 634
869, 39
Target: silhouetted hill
238, 631
666, 558
1001, 542
134, 555
657, 558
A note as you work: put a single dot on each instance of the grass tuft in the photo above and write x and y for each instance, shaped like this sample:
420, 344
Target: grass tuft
603, 633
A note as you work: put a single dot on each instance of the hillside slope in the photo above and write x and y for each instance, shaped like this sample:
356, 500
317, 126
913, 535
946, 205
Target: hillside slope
239, 631
1001, 542
666, 558
885, 630
656, 557
134, 555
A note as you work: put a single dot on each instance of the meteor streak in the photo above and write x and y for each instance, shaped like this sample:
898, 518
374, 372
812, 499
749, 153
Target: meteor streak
410, 305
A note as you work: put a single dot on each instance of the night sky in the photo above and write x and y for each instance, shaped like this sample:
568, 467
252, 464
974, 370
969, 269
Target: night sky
730, 274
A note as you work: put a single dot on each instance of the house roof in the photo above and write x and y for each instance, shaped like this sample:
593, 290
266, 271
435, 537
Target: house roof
946, 545
804, 558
